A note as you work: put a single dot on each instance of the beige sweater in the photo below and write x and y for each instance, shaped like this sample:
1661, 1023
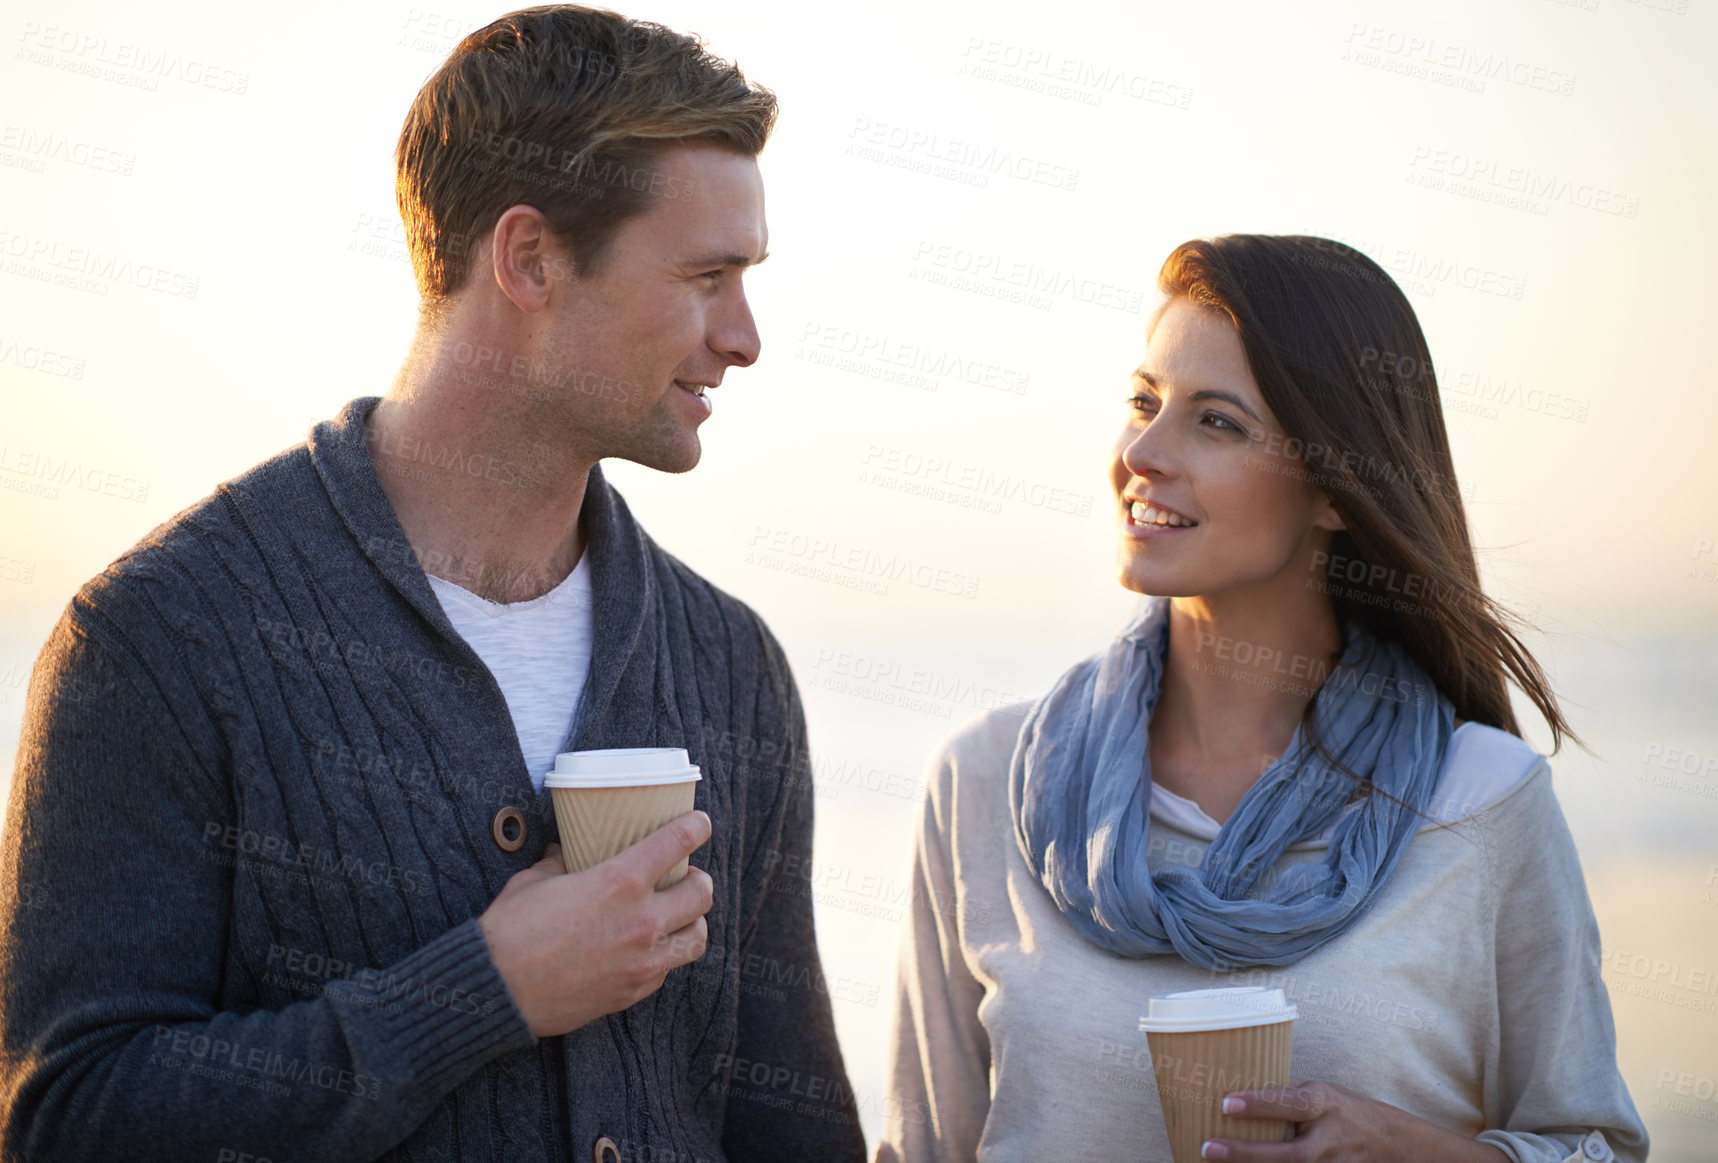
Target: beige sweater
1468, 994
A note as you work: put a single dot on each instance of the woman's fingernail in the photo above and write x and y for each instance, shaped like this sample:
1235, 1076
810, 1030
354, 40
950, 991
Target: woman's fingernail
1213, 1150
1234, 1106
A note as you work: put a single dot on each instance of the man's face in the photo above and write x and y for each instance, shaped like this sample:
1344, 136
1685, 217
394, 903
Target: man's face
664, 315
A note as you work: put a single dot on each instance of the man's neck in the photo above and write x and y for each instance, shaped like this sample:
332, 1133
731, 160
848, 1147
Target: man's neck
483, 505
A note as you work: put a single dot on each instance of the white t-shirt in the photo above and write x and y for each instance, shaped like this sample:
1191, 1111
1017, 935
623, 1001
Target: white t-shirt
538, 651
1477, 772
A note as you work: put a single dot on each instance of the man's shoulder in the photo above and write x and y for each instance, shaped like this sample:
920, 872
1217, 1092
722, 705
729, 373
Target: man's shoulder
708, 612
709, 603
186, 553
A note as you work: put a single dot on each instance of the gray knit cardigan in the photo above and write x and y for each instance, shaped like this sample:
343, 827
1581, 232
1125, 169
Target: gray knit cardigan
255, 815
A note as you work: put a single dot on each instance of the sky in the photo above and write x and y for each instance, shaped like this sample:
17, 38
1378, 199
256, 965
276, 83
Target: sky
200, 258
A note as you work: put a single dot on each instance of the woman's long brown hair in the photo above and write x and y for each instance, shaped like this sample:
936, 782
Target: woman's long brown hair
1339, 356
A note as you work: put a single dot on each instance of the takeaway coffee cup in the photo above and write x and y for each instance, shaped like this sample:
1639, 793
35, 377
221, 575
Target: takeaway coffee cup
607, 801
1207, 1043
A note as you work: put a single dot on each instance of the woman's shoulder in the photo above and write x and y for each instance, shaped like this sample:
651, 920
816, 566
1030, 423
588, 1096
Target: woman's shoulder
975, 756
986, 736
1484, 770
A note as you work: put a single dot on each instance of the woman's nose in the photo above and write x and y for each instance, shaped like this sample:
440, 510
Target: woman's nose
1149, 451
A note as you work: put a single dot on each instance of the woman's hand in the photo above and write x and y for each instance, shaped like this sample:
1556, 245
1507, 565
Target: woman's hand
1335, 1125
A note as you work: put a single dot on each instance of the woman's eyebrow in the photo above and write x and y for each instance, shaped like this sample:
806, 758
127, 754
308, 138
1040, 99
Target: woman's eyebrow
1156, 384
1211, 394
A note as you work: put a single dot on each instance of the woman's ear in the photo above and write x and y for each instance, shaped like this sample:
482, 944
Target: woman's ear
1326, 516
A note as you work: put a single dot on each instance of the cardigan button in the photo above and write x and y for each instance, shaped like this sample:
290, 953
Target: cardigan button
606, 1151
508, 828
1594, 1147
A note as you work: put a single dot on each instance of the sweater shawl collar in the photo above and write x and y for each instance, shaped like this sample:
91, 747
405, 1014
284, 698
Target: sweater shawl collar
624, 587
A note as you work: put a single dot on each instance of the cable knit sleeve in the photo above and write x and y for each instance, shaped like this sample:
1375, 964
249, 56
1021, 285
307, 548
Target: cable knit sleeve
114, 926
1557, 1095
788, 1097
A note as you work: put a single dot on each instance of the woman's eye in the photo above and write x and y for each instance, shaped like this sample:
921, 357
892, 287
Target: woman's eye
1222, 423
1145, 405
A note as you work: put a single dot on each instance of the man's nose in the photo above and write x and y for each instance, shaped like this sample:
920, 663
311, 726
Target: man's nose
734, 333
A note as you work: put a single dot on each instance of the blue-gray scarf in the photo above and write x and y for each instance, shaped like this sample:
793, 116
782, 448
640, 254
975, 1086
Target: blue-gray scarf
1080, 786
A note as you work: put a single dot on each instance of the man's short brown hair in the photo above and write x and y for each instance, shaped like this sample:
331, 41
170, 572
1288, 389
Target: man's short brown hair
566, 109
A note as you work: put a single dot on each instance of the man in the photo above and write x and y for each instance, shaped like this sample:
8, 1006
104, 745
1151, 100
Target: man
279, 879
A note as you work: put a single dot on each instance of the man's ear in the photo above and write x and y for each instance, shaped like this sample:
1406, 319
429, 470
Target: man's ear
526, 259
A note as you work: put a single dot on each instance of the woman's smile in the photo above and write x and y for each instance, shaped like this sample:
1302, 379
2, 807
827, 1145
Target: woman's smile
1151, 521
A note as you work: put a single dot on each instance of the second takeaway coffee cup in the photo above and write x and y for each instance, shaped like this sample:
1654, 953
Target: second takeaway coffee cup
1207, 1043
607, 801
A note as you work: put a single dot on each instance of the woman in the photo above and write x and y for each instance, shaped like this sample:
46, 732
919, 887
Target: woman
1297, 766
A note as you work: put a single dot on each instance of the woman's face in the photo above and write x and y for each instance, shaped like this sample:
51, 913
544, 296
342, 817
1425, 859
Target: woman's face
1207, 502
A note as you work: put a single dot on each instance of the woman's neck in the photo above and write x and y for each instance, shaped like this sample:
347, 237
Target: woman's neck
1237, 678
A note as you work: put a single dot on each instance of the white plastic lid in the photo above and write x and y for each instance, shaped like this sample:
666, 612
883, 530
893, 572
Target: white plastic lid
622, 767
1217, 1009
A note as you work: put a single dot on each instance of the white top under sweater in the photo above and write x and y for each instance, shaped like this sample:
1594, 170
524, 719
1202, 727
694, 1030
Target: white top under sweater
1468, 993
539, 652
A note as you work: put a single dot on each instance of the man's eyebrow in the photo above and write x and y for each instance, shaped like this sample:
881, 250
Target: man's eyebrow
1156, 385
725, 260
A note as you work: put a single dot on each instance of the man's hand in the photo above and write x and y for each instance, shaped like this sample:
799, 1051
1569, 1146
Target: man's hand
572, 948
